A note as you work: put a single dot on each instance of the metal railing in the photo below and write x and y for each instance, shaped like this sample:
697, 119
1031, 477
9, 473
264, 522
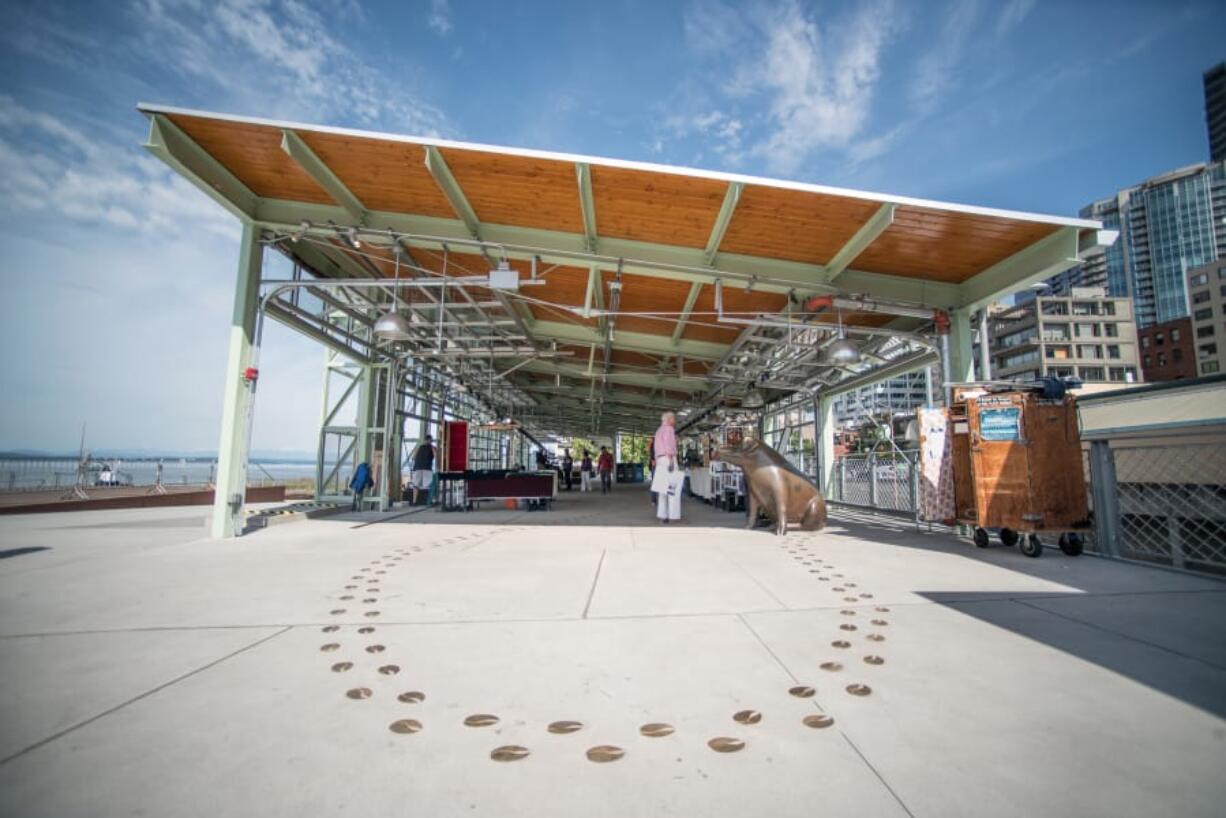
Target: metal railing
49, 474
1160, 504
887, 481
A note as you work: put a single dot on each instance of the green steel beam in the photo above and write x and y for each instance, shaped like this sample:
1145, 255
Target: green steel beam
769, 275
631, 341
234, 445
315, 167
722, 220
178, 150
961, 346
695, 289
587, 204
1043, 259
551, 367
437, 166
858, 243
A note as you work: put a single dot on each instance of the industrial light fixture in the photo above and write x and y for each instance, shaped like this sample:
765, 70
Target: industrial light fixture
352, 235
300, 232
843, 351
392, 326
754, 399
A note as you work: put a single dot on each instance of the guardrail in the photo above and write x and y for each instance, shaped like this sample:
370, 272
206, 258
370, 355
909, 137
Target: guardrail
46, 474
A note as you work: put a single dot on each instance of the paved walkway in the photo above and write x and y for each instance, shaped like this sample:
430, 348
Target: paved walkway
328, 668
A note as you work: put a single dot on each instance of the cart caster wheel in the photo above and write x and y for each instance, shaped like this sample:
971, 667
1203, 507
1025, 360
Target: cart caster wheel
981, 537
1032, 546
1072, 544
1008, 537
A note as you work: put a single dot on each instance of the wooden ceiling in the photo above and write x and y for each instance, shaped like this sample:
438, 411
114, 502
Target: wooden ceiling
674, 208
661, 208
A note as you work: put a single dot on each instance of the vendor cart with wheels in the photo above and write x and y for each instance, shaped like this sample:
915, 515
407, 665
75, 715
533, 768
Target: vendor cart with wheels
1017, 468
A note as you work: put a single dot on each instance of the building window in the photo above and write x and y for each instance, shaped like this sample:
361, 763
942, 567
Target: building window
1060, 371
1209, 367
1144, 342
1092, 373
1118, 374
1207, 350
1205, 332
1145, 362
1176, 354
1054, 308
1201, 297
1159, 338
1198, 280
1082, 308
1174, 335
1161, 359
1203, 315
1113, 351
1111, 331
1224, 291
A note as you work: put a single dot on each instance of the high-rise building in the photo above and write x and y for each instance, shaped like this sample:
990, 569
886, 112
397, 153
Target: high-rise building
1167, 351
1168, 225
902, 394
1215, 111
1085, 334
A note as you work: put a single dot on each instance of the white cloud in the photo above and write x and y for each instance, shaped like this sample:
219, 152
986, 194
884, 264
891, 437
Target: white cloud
935, 73
1012, 15
794, 84
48, 166
304, 71
439, 18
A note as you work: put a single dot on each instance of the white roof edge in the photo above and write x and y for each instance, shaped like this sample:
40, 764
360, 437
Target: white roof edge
1066, 221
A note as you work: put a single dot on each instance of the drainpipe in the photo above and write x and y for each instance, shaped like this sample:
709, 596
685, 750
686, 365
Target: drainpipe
985, 354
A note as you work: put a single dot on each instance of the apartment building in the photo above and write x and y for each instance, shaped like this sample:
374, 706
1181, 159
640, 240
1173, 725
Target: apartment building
1207, 300
1167, 351
1084, 334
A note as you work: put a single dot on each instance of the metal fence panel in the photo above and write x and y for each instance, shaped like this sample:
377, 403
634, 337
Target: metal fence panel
880, 481
1171, 504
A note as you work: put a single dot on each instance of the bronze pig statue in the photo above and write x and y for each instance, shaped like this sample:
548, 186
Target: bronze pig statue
773, 485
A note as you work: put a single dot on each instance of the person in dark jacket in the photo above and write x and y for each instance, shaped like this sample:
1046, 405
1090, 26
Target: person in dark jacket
361, 481
423, 467
568, 468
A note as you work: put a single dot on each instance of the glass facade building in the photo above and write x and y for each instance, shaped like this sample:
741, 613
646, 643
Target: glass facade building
1168, 225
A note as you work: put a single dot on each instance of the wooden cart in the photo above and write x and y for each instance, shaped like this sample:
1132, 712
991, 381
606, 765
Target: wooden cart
1017, 468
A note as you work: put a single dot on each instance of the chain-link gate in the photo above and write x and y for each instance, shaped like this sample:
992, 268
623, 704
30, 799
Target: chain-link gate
1163, 504
885, 481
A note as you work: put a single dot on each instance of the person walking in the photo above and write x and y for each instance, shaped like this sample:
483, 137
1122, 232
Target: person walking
667, 478
586, 469
423, 466
604, 465
568, 469
361, 481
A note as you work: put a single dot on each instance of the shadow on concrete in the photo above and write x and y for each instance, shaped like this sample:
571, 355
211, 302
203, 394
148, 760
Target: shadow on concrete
18, 552
1185, 668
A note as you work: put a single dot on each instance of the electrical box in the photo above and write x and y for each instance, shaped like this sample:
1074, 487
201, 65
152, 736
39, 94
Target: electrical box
503, 277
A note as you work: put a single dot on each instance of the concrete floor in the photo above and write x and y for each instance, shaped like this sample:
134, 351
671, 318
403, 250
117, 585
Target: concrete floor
146, 671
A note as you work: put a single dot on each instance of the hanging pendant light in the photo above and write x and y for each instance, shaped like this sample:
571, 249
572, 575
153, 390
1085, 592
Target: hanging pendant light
842, 351
754, 399
392, 326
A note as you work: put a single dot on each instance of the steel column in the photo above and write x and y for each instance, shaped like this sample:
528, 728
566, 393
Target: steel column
232, 450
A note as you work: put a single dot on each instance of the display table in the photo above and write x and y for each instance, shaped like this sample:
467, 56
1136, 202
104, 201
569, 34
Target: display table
462, 489
700, 482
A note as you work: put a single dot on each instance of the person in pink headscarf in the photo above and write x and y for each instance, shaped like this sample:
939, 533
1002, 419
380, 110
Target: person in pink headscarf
667, 478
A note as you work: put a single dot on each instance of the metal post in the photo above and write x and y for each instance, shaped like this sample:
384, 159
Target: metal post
230, 491
871, 460
825, 443
842, 479
1105, 495
985, 354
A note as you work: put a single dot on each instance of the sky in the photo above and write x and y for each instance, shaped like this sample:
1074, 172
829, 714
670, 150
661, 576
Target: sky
118, 276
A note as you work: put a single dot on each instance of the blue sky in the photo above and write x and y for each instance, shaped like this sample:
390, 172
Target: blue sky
118, 276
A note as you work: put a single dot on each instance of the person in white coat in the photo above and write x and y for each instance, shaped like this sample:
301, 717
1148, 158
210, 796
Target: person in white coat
667, 476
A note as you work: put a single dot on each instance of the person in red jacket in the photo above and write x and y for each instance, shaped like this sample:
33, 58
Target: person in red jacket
604, 465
